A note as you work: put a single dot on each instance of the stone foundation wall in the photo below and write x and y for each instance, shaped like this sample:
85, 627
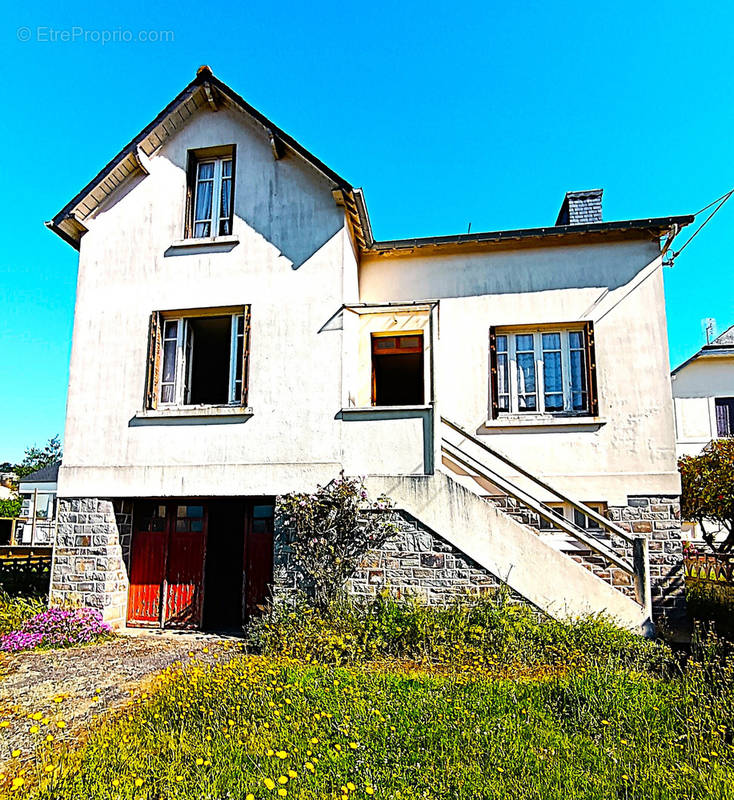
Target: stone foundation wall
414, 563
88, 567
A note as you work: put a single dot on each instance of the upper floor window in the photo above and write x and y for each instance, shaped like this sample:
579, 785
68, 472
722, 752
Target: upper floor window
724, 416
198, 358
210, 192
543, 370
397, 369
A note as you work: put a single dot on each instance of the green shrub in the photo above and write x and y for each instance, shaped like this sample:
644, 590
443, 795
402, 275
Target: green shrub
14, 611
10, 507
488, 633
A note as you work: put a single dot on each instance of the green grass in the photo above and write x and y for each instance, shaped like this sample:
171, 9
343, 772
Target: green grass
611, 724
15, 610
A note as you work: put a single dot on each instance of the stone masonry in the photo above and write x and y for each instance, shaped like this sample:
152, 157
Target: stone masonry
656, 518
414, 563
88, 568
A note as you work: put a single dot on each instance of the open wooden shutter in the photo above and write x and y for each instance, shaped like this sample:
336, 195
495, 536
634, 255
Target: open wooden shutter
152, 373
591, 368
245, 356
494, 400
190, 190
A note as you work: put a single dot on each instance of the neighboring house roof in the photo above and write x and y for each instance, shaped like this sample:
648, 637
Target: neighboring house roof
49, 474
206, 90
722, 345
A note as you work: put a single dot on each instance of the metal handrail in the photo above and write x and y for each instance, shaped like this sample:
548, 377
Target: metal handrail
535, 505
583, 509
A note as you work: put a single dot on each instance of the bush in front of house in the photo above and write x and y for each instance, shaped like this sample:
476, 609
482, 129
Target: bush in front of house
56, 627
484, 634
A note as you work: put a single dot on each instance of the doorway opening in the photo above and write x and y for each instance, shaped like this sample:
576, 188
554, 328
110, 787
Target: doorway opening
397, 369
223, 571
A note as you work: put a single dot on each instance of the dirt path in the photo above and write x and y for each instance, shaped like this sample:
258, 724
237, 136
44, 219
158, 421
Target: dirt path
74, 686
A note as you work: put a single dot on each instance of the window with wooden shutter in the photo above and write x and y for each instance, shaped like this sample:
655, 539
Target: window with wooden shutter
543, 370
198, 357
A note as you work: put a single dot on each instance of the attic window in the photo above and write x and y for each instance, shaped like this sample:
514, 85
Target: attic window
210, 192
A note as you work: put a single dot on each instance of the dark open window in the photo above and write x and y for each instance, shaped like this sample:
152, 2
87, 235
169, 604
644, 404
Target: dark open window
397, 369
724, 416
198, 358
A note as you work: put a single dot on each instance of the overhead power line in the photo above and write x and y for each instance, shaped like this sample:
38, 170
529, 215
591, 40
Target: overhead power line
719, 202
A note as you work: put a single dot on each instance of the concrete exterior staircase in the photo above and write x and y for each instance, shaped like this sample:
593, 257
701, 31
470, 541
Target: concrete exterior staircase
454, 504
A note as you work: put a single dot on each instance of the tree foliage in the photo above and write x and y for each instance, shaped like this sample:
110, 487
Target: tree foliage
330, 531
36, 458
708, 491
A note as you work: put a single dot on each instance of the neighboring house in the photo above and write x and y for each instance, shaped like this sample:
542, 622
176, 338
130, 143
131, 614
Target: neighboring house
8, 481
240, 334
38, 491
703, 399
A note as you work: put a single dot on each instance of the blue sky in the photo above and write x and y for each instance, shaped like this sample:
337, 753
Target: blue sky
483, 112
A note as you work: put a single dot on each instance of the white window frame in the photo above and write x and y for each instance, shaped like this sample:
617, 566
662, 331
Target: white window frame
182, 380
568, 512
513, 371
214, 219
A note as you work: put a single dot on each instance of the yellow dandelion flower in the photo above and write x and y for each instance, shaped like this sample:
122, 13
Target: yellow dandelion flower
351, 786
138, 781
34, 728
4, 724
58, 699
292, 773
18, 782
207, 763
115, 782
50, 738
250, 796
369, 790
61, 724
270, 783
37, 715
15, 753
49, 767
353, 745
283, 792
282, 779
199, 762
179, 777
270, 752
282, 754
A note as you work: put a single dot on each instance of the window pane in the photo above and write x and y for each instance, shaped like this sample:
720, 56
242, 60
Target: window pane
503, 383
552, 372
171, 329
202, 229
227, 168
578, 380
203, 209
384, 342
410, 341
167, 393
524, 342
169, 360
206, 170
724, 416
501, 344
226, 196
263, 512
576, 339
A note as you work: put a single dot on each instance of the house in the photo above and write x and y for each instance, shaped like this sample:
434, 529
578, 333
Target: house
703, 401
38, 491
239, 334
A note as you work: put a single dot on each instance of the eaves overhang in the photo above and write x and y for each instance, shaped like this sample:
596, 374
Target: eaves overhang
653, 227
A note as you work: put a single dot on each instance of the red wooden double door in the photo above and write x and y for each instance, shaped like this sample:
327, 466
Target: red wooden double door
179, 547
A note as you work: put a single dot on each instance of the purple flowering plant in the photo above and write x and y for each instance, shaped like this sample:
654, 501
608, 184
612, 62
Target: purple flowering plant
56, 627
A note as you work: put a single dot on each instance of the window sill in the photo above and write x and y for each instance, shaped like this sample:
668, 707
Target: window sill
515, 421
209, 241
176, 412
373, 409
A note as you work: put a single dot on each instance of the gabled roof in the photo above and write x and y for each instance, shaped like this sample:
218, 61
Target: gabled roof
48, 474
207, 91
722, 345
204, 91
